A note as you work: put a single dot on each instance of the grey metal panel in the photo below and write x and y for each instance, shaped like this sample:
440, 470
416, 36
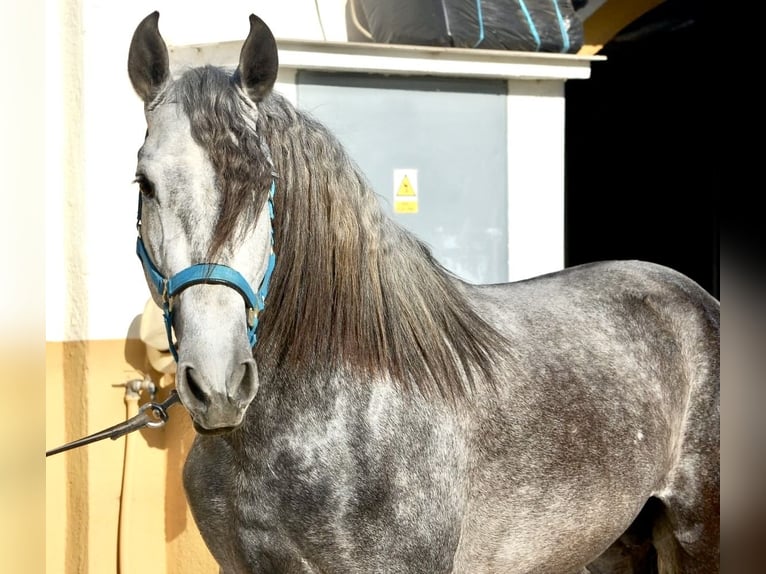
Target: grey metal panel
453, 132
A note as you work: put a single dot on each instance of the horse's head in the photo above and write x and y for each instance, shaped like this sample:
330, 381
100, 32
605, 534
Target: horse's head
205, 231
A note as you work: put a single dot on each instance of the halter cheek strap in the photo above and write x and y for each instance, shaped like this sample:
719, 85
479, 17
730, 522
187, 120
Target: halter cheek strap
209, 274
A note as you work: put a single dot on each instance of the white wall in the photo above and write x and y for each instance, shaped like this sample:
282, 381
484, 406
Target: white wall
94, 287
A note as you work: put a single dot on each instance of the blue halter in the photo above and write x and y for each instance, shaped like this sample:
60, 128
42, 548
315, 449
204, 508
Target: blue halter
211, 274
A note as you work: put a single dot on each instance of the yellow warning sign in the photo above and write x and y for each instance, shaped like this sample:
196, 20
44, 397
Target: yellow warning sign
406, 207
405, 188
405, 191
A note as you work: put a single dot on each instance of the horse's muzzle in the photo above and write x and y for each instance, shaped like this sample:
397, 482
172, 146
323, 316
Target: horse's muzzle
217, 404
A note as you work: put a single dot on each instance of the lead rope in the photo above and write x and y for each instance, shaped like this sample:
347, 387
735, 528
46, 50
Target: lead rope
151, 415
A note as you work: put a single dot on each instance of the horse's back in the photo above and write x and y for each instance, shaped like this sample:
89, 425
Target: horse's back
602, 285
641, 310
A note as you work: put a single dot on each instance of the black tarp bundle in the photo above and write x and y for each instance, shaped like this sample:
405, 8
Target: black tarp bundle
525, 25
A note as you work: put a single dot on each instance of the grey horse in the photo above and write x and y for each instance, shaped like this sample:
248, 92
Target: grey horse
360, 410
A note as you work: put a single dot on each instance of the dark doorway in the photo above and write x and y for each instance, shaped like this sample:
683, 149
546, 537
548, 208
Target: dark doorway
638, 177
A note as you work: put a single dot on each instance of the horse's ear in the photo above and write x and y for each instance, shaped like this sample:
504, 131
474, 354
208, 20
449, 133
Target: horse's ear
148, 63
258, 60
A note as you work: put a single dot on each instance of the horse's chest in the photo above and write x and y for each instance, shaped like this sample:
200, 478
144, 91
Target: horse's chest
248, 507
334, 497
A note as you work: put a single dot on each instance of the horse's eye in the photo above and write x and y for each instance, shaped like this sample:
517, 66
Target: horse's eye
145, 186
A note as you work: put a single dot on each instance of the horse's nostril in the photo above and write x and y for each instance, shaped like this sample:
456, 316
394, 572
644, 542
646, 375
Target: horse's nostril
194, 387
247, 384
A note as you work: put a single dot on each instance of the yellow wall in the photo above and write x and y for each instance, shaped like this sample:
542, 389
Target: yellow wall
84, 487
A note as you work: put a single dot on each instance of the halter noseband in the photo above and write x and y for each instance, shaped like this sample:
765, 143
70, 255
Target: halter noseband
211, 274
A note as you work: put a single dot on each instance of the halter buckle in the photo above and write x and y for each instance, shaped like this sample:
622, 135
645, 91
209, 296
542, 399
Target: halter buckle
166, 298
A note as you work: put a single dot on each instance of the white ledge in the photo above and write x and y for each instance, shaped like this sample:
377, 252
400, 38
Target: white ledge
398, 60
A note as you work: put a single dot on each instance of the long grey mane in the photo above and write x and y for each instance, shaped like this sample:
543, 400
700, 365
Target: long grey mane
351, 289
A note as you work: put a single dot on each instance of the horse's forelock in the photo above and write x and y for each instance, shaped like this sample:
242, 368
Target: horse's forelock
223, 121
